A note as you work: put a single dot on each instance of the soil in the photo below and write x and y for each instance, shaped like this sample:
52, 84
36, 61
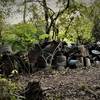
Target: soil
70, 84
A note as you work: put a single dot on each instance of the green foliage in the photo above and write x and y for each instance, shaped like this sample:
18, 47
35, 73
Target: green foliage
21, 36
74, 23
43, 36
77, 20
8, 90
5, 11
95, 16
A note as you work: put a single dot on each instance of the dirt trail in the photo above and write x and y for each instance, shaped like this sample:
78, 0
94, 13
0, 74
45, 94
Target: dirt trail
76, 84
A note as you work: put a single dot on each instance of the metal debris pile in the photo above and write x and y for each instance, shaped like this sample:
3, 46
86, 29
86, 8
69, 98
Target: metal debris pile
50, 54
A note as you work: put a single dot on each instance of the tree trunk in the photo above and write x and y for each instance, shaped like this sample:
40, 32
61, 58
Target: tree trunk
1, 41
46, 15
96, 29
24, 13
52, 19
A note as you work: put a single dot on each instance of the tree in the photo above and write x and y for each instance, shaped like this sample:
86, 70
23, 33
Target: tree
24, 12
5, 11
51, 16
75, 23
96, 19
92, 12
22, 36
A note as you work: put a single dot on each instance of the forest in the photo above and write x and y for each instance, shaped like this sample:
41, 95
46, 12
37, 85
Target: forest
49, 49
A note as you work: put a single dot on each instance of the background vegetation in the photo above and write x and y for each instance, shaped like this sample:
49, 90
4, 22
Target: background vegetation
65, 20
68, 20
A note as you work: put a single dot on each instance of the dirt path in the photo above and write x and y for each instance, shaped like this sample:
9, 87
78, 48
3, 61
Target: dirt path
76, 84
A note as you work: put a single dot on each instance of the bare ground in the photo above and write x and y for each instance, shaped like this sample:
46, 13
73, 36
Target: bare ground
70, 84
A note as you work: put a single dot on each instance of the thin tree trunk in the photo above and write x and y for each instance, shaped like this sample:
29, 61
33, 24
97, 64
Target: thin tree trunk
46, 15
1, 41
24, 13
56, 17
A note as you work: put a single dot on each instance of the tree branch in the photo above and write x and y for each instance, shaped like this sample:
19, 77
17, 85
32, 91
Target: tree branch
59, 14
